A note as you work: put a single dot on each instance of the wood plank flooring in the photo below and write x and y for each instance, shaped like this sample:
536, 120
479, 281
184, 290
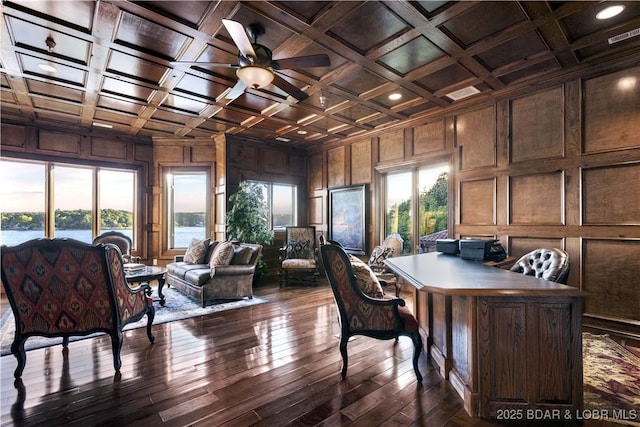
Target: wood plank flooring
275, 364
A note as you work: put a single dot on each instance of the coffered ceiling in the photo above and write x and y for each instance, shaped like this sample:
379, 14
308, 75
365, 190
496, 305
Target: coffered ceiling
113, 61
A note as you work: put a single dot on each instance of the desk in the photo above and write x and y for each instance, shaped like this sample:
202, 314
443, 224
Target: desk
511, 345
148, 274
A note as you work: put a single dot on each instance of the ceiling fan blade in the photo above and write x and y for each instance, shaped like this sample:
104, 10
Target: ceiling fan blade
236, 91
301, 62
240, 38
289, 88
203, 64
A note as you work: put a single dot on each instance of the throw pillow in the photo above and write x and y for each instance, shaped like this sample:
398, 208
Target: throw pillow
222, 255
299, 249
365, 278
379, 254
196, 251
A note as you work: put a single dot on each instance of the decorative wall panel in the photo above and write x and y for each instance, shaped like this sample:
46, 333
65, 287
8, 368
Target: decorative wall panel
168, 153
391, 146
536, 199
108, 148
361, 162
316, 210
520, 245
203, 153
476, 137
477, 202
336, 164
612, 111
297, 165
537, 126
429, 138
610, 276
273, 161
242, 155
610, 195
15, 136
315, 172
60, 143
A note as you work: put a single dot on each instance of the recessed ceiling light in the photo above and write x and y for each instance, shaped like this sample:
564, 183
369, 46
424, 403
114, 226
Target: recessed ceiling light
395, 96
462, 93
610, 12
282, 139
47, 67
302, 132
102, 125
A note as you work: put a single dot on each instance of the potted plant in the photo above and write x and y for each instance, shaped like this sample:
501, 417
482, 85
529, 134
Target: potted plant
247, 221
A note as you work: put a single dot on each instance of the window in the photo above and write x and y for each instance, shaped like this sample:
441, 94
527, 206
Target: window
427, 185
73, 198
47, 199
187, 207
282, 201
117, 201
22, 201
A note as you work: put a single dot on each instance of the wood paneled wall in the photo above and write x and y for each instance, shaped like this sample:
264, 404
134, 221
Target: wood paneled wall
556, 166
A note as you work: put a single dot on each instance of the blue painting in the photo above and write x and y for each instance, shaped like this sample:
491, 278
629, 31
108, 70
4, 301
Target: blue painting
347, 217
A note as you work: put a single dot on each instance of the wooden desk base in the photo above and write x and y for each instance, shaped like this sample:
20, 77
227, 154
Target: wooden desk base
509, 358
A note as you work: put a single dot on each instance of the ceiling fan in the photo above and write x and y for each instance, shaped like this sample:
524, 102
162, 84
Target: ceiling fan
256, 67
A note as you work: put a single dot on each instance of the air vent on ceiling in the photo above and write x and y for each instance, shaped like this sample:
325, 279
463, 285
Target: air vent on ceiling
462, 93
624, 36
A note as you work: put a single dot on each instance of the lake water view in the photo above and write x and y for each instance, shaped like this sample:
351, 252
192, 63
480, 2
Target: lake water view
183, 235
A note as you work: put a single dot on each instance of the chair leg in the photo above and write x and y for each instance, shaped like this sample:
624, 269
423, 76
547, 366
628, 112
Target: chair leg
17, 348
116, 346
344, 340
417, 349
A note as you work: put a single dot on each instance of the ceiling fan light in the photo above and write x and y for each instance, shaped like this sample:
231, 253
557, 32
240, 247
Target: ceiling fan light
254, 76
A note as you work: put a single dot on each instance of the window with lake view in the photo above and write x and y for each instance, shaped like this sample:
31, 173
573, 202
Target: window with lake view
69, 191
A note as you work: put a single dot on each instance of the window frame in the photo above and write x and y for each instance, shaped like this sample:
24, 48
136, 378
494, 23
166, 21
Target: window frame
49, 193
269, 197
167, 230
414, 245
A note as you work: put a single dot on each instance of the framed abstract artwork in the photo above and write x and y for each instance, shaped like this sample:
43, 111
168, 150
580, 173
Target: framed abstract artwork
348, 217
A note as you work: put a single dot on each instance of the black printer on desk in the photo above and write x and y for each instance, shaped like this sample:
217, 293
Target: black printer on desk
482, 250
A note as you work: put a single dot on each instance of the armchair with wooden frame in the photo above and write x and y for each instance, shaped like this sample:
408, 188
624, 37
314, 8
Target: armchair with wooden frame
359, 314
392, 246
299, 256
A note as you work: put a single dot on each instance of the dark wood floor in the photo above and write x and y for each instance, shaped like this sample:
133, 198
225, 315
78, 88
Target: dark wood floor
273, 364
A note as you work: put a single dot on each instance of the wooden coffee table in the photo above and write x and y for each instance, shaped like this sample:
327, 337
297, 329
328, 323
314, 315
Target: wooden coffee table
147, 275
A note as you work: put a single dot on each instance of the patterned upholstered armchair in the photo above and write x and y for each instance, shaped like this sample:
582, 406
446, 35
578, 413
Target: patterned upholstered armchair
64, 288
359, 314
549, 264
299, 256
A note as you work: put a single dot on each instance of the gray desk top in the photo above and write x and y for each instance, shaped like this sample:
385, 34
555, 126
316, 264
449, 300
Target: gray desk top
451, 275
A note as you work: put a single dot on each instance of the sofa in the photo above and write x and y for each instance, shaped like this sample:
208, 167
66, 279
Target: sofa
64, 287
215, 270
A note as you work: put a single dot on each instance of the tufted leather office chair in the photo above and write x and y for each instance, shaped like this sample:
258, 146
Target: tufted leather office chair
544, 263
